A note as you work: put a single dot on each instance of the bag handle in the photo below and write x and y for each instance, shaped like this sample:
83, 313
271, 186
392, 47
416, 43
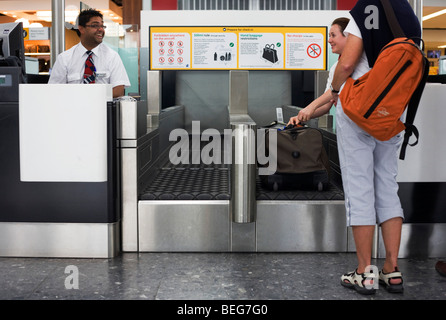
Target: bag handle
392, 20
412, 110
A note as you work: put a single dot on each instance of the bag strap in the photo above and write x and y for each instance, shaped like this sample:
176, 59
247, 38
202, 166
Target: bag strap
392, 20
412, 110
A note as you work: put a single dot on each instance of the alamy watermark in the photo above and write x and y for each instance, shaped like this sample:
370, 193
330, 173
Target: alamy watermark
216, 151
372, 21
72, 280
371, 282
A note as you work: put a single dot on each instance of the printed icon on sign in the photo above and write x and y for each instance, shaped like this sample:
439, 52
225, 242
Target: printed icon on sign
171, 59
170, 43
161, 51
180, 51
222, 54
161, 43
180, 43
171, 51
180, 59
270, 53
314, 50
161, 60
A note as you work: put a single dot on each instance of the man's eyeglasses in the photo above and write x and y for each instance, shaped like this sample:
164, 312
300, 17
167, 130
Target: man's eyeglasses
96, 26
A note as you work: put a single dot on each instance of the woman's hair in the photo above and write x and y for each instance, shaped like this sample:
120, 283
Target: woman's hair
342, 23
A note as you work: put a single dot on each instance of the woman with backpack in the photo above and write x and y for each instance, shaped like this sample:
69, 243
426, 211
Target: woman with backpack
369, 166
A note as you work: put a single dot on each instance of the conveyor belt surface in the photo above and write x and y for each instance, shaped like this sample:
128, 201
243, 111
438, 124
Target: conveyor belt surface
189, 182
212, 182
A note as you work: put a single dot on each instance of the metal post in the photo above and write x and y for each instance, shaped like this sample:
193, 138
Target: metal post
57, 29
243, 168
154, 95
243, 173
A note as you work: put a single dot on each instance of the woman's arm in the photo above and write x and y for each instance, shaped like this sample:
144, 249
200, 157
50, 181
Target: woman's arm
315, 109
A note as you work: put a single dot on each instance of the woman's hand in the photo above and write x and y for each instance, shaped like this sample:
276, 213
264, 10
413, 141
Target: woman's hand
293, 120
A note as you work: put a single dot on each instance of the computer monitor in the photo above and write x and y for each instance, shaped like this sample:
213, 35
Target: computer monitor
12, 49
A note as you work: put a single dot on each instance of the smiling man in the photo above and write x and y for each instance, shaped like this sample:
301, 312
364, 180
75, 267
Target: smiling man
91, 61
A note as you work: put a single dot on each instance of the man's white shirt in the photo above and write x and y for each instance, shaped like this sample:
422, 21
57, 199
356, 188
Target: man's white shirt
70, 65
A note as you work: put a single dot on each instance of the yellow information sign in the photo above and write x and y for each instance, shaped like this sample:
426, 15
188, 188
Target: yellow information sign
245, 48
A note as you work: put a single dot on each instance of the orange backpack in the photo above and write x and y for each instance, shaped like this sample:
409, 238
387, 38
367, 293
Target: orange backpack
377, 100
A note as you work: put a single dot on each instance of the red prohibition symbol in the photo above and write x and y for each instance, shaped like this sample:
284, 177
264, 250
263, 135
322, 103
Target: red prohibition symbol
314, 50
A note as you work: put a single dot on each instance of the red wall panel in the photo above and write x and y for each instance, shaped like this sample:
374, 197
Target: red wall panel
346, 4
164, 5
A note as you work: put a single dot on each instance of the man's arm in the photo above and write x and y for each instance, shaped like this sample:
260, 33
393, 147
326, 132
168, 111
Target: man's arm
58, 72
118, 91
118, 76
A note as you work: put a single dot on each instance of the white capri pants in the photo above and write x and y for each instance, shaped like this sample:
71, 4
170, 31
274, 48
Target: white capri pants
369, 168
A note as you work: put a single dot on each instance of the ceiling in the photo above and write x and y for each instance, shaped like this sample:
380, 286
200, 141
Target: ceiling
434, 23
39, 11
434, 30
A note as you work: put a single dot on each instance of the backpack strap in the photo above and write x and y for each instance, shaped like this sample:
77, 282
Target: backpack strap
392, 20
412, 110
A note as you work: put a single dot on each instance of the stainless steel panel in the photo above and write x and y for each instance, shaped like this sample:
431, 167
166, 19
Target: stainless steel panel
243, 237
59, 240
154, 95
201, 226
301, 226
128, 127
129, 196
420, 240
132, 119
238, 92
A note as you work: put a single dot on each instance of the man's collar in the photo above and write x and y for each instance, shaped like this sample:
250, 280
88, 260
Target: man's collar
95, 49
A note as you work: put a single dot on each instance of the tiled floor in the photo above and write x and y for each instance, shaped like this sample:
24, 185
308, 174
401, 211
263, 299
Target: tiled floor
205, 276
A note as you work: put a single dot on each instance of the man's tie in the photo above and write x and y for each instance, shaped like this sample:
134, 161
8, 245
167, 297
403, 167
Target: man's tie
90, 70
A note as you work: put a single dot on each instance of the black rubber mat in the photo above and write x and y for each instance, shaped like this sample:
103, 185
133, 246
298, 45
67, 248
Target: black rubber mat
194, 182
201, 182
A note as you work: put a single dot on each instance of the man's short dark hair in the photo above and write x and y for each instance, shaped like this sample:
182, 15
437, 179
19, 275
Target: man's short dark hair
86, 15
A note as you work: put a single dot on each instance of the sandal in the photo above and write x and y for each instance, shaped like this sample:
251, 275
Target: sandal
354, 280
384, 279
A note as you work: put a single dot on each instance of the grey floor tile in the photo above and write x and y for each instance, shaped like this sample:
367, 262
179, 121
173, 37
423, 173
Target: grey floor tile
206, 276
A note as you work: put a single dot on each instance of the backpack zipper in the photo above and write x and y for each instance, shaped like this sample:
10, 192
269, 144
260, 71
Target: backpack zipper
387, 89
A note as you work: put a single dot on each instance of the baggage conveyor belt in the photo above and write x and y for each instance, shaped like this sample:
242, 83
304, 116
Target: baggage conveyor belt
212, 182
188, 208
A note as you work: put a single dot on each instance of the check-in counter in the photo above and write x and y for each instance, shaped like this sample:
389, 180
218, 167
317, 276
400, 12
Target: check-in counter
59, 168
